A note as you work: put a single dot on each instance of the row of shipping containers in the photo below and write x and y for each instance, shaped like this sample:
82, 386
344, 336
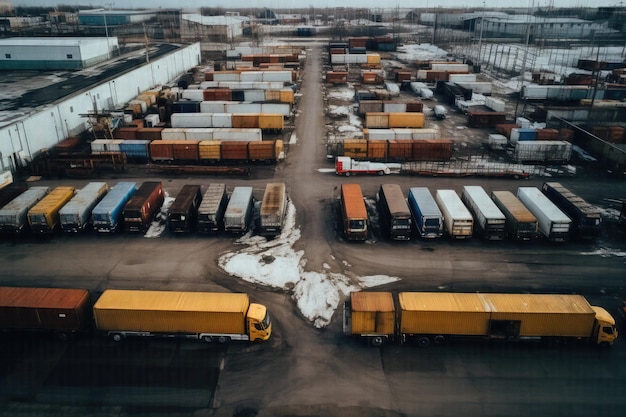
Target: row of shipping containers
241, 107
367, 59
157, 133
250, 95
191, 150
389, 106
265, 121
396, 150
383, 120
252, 76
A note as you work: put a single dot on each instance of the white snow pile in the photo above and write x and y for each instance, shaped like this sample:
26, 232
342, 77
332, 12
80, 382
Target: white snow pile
605, 253
421, 52
276, 264
341, 93
158, 225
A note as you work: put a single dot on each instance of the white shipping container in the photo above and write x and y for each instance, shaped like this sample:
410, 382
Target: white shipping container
553, 223
275, 108
254, 96
213, 107
100, 146
497, 142
221, 120
226, 76
421, 74
523, 122
403, 134
194, 95
152, 120
543, 151
450, 66
381, 134
457, 218
173, 133
495, 104
278, 76
421, 134
249, 135
199, 133
251, 76
462, 78
191, 120
478, 87
240, 107
390, 107
114, 145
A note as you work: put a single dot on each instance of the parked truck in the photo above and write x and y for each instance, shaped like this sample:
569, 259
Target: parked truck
553, 224
395, 216
239, 210
458, 221
490, 221
344, 165
521, 224
586, 218
212, 317
76, 214
43, 217
212, 208
60, 311
14, 215
353, 212
183, 213
429, 317
427, 218
273, 210
143, 206
107, 215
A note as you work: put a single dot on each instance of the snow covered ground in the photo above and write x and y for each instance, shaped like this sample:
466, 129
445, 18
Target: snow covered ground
275, 263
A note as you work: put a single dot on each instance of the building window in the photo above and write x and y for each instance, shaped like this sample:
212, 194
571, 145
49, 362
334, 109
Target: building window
71, 109
7, 56
69, 56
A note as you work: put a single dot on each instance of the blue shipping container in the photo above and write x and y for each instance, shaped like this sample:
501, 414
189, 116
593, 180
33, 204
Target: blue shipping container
136, 149
106, 216
427, 217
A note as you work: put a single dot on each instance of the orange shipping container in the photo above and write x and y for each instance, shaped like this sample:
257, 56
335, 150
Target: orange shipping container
209, 150
234, 151
286, 96
431, 150
547, 134
505, 128
377, 149
406, 120
269, 121
245, 120
149, 133
262, 151
126, 133
400, 149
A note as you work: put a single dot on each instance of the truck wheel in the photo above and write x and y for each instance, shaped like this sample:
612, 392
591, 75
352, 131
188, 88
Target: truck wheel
117, 337
381, 173
207, 339
223, 339
347, 174
423, 342
439, 339
377, 341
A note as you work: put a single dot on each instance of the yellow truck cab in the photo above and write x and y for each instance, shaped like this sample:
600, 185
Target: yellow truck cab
259, 324
604, 332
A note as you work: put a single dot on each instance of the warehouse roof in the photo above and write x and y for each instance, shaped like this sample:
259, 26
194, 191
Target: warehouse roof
49, 41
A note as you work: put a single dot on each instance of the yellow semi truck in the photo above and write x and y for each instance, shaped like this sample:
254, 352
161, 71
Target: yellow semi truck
431, 317
208, 316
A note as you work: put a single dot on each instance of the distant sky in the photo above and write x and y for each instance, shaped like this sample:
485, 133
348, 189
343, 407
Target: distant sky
285, 4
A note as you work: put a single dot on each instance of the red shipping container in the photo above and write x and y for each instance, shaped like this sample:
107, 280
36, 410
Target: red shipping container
414, 107
262, 151
547, 134
234, 150
126, 133
149, 133
505, 128
136, 123
432, 150
186, 150
400, 149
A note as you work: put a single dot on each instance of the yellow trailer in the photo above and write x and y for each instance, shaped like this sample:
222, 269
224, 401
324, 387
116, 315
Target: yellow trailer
370, 315
271, 122
209, 150
43, 217
206, 316
406, 120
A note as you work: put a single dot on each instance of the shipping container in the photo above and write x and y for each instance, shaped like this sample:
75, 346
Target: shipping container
136, 150
245, 120
234, 151
271, 122
427, 218
11, 191
182, 215
431, 150
521, 134
482, 118
107, 215
490, 221
410, 120
174, 150
553, 224
400, 150
553, 151
43, 217
586, 218
14, 214
458, 221
377, 149
209, 151
75, 216
239, 210
353, 212
212, 208
273, 210
521, 224
377, 120
219, 317
62, 311
262, 151
143, 206
372, 316
395, 217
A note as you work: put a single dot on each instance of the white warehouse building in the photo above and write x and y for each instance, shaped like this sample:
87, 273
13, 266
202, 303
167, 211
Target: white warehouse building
54, 53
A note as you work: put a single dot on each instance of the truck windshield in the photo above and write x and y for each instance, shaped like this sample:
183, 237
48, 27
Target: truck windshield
263, 325
402, 223
37, 218
527, 227
357, 224
432, 223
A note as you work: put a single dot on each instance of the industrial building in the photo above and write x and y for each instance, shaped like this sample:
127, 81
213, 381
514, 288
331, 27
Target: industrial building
54, 53
103, 17
215, 27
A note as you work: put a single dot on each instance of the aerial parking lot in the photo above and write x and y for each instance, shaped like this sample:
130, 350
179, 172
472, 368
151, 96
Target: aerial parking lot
304, 275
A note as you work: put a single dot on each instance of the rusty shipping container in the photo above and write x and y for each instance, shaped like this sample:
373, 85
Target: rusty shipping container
370, 106
400, 150
506, 128
337, 77
376, 120
547, 134
245, 120
431, 150
354, 148
142, 206
234, 151
377, 149
53, 309
262, 151
185, 150
126, 133
149, 133
209, 150
479, 118
414, 106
